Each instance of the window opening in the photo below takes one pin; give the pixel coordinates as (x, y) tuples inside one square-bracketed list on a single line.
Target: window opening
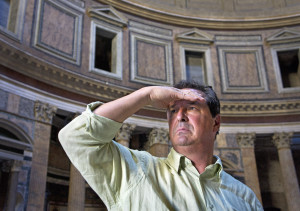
[(4, 12), (195, 66), (289, 68), (105, 42)]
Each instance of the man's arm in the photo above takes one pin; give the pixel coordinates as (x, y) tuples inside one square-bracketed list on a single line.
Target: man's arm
[(157, 96), (108, 167)]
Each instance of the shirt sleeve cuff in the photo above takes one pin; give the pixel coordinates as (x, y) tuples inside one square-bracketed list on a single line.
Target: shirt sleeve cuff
[(100, 127)]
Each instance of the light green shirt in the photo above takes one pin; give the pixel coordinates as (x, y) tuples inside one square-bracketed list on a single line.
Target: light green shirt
[(128, 179)]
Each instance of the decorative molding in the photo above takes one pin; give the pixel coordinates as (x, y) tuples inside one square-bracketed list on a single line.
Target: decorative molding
[(203, 21), (282, 140), (260, 108), (195, 36), (6, 165), (42, 70), (55, 40), (158, 136), (16, 30), (207, 60), (238, 39), (284, 36), (44, 112), (165, 45), (17, 166), (150, 30), (116, 49), (124, 133), (256, 53), (274, 50), (245, 140), (108, 14)]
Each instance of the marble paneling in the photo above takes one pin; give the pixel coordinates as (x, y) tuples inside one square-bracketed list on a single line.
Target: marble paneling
[(58, 30)]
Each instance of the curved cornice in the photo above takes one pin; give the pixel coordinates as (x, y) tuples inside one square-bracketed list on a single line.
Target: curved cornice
[(41, 70), (203, 22), (51, 74), (265, 108)]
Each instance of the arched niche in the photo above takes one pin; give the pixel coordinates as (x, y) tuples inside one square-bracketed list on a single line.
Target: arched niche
[(13, 141)]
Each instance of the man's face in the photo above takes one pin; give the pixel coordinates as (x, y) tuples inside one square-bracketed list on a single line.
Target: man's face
[(191, 123)]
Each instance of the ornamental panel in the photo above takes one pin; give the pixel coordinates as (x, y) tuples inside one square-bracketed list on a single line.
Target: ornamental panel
[(151, 59), (242, 69), (58, 30)]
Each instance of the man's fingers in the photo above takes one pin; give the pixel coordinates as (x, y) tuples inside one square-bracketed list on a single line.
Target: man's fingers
[(189, 94)]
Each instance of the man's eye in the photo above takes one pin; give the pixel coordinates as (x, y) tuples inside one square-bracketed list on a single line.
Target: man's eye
[(192, 108)]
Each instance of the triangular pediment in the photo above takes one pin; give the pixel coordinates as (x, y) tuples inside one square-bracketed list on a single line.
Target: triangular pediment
[(284, 36), (195, 36), (108, 14)]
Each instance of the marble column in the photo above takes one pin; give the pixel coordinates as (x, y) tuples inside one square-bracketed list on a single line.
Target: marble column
[(289, 176), (158, 142), (124, 134), (16, 166), (38, 174), (76, 198), (246, 143)]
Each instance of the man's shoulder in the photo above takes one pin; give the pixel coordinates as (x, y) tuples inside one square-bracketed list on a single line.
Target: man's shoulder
[(237, 188), (232, 183)]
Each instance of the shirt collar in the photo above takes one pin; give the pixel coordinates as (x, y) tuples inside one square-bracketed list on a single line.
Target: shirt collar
[(174, 159), (177, 162)]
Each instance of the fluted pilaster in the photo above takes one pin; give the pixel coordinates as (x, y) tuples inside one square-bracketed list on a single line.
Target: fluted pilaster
[(282, 141), (246, 142), (42, 132)]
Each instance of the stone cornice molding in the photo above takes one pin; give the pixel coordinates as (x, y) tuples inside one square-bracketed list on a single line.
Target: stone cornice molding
[(195, 36), (246, 140), (284, 36), (41, 70), (202, 22), (65, 79), (108, 14), (158, 136), (260, 108), (125, 132), (282, 140)]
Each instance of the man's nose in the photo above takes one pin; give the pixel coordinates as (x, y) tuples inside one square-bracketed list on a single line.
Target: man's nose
[(181, 115)]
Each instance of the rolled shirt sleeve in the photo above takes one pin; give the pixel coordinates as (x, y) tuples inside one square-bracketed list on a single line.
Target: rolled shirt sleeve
[(87, 140)]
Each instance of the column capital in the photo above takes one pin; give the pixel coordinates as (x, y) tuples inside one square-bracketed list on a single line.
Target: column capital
[(44, 112), (17, 165), (246, 140), (282, 140), (158, 136), (6, 166), (125, 132)]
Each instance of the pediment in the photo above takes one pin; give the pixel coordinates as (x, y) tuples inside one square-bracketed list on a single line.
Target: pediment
[(195, 36), (108, 14), (284, 36)]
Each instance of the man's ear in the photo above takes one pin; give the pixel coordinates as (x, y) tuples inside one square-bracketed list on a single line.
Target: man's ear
[(217, 123)]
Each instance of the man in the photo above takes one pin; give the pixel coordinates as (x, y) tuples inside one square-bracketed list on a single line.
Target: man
[(190, 178)]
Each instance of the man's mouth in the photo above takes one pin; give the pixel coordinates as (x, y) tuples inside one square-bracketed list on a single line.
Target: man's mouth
[(182, 130)]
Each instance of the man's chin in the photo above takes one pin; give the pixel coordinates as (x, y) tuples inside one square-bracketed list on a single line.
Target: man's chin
[(182, 141)]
